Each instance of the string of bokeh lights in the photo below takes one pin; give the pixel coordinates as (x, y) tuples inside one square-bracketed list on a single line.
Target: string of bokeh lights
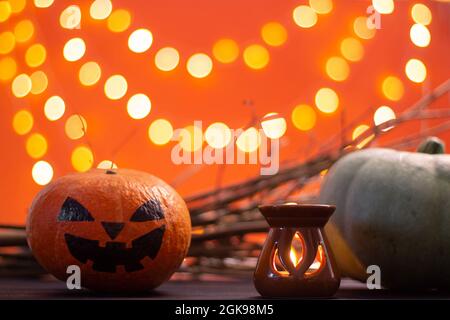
[(199, 65)]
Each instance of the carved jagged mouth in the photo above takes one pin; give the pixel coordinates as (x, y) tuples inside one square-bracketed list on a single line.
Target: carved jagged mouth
[(106, 259)]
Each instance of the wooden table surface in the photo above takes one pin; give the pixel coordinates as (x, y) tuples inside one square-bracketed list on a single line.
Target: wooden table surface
[(49, 288)]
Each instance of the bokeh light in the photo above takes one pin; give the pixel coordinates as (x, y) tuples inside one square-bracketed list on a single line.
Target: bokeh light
[(74, 49), (82, 158), (337, 68), (5, 10), (249, 140), (415, 70), (392, 88), (139, 106), (42, 172), (304, 117), (359, 130), (199, 65), (420, 35), (304, 16), (274, 34), (106, 164), (321, 6), (383, 114), (75, 127), (35, 55), (23, 122), (7, 42), (21, 85), (8, 68), (43, 3), (39, 82), (383, 6), (17, 5), (23, 31), (226, 50), (191, 138), (116, 87), (119, 20), (327, 100), (90, 73), (361, 28), (218, 135), (352, 49), (256, 56), (54, 108), (140, 40), (273, 125), (160, 131), (421, 14), (100, 9), (36, 145), (167, 59), (70, 17)]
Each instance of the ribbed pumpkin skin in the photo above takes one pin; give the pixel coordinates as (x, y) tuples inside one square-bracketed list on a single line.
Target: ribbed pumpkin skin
[(393, 210), (109, 198)]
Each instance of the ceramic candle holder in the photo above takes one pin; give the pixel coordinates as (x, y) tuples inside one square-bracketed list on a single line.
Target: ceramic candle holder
[(296, 260)]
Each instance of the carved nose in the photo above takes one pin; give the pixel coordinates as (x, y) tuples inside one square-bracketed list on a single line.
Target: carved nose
[(113, 228)]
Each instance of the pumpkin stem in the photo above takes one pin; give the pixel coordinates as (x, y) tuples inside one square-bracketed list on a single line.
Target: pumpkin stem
[(110, 172), (432, 145)]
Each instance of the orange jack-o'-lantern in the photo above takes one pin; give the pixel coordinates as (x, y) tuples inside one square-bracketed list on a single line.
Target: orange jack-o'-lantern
[(126, 230)]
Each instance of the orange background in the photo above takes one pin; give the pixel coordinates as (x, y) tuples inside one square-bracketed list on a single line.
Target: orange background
[(295, 72)]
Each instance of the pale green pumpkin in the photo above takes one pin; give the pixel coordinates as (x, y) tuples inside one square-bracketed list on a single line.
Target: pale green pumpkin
[(393, 210)]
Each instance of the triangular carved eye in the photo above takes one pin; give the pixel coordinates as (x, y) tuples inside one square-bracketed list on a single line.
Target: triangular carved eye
[(72, 210), (151, 210)]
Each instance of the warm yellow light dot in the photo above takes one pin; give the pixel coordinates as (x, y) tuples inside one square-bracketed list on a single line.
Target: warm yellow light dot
[(116, 87), (273, 125), (23, 122), (74, 49), (383, 6), (199, 65), (70, 17), (23, 31), (54, 108), (39, 82), (362, 29), (304, 16), (392, 88), (415, 70), (383, 114), (359, 130), (274, 34), (21, 85), (106, 164), (140, 40), (304, 117), (218, 135), (352, 49), (35, 55), (421, 14), (17, 5), (36, 145), (119, 20), (5, 10), (8, 68), (43, 3), (420, 35), (7, 42), (321, 6), (160, 131), (167, 59), (226, 50), (256, 56), (337, 68), (191, 138), (139, 106), (42, 172), (75, 127), (249, 140), (327, 100), (89, 73), (100, 9), (82, 159)]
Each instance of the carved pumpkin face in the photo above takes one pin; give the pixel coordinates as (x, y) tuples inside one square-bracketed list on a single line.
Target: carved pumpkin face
[(126, 230)]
